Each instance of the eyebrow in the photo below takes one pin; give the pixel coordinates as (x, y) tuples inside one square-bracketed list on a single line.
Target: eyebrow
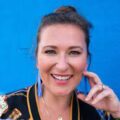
[(72, 47), (50, 46), (76, 47)]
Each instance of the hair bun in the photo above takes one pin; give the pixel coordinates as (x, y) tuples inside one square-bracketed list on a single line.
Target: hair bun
[(66, 9)]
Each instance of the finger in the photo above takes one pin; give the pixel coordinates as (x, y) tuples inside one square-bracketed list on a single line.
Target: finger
[(101, 96), (92, 77), (97, 88), (81, 96)]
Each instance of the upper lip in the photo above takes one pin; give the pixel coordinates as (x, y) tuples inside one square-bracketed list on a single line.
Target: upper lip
[(63, 74)]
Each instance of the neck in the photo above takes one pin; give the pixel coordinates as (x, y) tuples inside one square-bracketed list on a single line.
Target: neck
[(55, 107), (54, 102)]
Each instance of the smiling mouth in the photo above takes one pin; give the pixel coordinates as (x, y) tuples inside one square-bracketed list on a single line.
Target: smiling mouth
[(61, 77)]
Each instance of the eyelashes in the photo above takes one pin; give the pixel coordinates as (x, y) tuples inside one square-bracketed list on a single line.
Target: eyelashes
[(50, 52), (75, 53), (71, 53)]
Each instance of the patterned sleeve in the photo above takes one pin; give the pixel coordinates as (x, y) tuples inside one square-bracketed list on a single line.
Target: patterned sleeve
[(3, 105), (106, 115)]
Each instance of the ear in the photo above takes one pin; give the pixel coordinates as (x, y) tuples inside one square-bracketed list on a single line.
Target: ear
[(86, 67), (37, 66)]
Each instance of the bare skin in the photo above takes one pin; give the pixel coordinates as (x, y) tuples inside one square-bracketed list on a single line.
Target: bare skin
[(52, 107)]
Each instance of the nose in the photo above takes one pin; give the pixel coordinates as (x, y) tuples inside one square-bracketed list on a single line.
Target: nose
[(62, 64)]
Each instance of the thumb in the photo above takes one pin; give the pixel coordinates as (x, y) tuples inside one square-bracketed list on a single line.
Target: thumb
[(81, 96)]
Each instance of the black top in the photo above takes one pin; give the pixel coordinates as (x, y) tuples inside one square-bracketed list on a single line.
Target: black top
[(23, 104)]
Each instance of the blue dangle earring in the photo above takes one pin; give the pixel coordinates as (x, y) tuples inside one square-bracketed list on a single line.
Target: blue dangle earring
[(84, 89), (39, 86), (83, 86)]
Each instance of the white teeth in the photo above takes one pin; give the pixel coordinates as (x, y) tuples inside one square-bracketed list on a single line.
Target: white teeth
[(61, 77)]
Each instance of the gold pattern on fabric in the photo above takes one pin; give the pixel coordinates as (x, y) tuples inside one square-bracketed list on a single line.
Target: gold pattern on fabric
[(28, 104)]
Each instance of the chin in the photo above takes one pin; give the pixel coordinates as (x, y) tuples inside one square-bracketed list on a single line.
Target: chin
[(63, 93)]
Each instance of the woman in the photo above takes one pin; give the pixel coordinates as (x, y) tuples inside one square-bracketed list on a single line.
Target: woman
[(62, 53)]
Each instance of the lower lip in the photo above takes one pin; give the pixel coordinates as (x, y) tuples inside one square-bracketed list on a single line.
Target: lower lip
[(61, 82)]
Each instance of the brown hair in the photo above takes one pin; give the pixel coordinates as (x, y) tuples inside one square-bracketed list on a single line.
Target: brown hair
[(66, 15)]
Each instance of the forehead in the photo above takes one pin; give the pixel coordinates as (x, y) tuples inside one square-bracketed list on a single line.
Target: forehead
[(62, 34)]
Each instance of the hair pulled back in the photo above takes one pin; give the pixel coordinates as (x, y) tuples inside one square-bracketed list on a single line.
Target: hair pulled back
[(66, 15)]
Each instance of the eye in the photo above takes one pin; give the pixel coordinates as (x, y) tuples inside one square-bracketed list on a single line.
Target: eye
[(50, 52), (75, 53)]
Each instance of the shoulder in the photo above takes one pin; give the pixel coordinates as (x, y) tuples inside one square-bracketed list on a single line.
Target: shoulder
[(16, 96), (13, 103)]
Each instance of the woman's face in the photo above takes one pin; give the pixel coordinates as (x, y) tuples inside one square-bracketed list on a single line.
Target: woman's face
[(61, 57)]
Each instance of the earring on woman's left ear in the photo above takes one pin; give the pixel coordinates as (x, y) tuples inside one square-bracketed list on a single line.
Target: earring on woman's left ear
[(39, 86), (83, 85)]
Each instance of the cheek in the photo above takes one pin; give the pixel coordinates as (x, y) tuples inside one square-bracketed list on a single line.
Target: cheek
[(80, 65), (43, 68), (44, 64)]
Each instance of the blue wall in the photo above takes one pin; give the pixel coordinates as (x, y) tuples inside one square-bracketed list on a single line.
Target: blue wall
[(19, 20)]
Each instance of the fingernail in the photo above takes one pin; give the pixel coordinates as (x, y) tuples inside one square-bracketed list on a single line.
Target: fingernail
[(86, 99), (79, 92), (93, 102)]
